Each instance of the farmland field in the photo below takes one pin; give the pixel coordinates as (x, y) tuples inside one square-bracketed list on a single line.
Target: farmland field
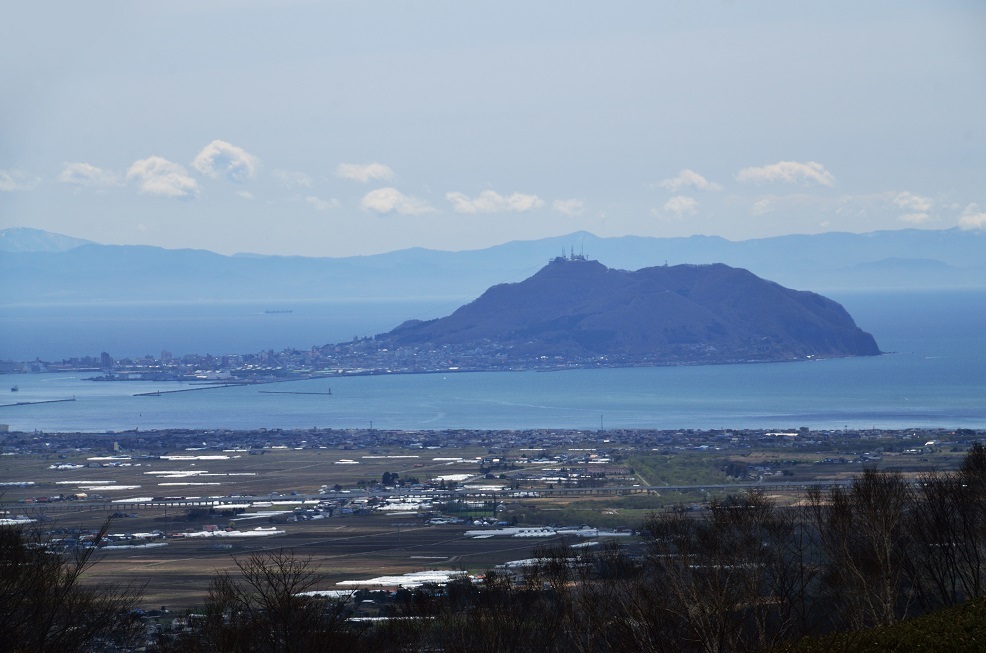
[(184, 507)]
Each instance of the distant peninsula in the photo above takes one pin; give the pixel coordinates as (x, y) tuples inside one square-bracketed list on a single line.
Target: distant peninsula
[(573, 313), (577, 312)]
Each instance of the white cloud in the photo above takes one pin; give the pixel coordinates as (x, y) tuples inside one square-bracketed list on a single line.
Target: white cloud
[(687, 178), (680, 206), (89, 176), (762, 206), (158, 176), (293, 179), (490, 201), (364, 172), (245, 194), (973, 218), (11, 180), (570, 207), (221, 158), (917, 207), (7, 182), (391, 200), (914, 202), (320, 204), (793, 172)]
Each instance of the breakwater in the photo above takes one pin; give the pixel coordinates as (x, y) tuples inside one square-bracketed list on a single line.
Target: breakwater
[(158, 393), (35, 403)]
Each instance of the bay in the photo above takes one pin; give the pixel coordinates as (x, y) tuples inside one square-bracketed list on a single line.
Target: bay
[(127, 330), (935, 376)]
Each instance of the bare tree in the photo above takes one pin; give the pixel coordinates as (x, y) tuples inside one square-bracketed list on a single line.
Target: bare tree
[(949, 527), (583, 588), (264, 607), (551, 604), (736, 577), (864, 535), (46, 605)]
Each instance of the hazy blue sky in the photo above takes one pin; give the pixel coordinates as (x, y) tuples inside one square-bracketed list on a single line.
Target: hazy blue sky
[(351, 127)]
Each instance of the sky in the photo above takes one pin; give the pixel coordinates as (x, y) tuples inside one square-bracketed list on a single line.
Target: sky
[(351, 127)]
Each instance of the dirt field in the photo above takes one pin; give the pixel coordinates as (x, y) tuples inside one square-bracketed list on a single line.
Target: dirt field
[(348, 547), (352, 546)]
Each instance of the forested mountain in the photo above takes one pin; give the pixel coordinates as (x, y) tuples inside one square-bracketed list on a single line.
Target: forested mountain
[(575, 308)]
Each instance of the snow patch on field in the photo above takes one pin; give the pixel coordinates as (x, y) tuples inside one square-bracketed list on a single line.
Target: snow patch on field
[(413, 579), (259, 531)]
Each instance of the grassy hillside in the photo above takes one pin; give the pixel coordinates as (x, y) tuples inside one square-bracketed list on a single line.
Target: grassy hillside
[(961, 629)]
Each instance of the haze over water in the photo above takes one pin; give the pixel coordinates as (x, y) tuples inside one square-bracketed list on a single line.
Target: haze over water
[(344, 129), (936, 377)]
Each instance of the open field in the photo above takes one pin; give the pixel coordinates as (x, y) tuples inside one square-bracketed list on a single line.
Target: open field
[(354, 548), (152, 483)]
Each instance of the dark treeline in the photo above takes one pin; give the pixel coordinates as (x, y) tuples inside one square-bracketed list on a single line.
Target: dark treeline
[(742, 575), (46, 606)]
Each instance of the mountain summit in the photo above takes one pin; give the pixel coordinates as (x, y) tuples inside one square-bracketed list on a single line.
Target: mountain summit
[(575, 309)]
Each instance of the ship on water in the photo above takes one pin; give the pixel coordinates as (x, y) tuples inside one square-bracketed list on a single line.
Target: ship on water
[(271, 311)]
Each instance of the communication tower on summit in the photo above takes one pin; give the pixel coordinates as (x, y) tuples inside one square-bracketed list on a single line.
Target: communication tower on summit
[(571, 257)]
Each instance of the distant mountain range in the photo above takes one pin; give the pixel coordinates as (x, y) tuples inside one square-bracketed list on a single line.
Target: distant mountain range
[(40, 267), (23, 239), (577, 310)]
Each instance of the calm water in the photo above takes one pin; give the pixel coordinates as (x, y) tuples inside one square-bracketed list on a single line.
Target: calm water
[(936, 377), (127, 330)]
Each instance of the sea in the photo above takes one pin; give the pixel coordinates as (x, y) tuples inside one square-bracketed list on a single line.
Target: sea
[(933, 375)]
